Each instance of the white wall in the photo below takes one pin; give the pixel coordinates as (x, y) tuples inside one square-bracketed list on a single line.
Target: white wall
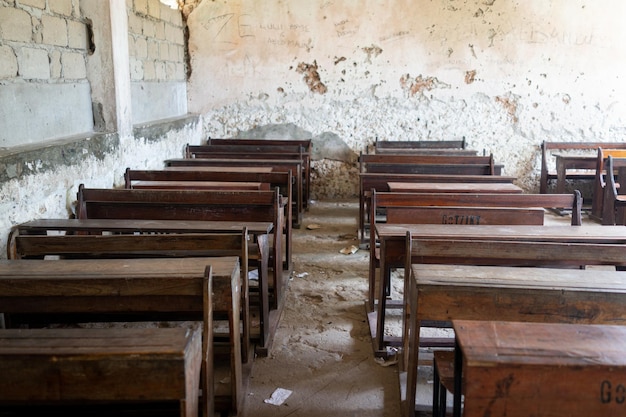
[(504, 74)]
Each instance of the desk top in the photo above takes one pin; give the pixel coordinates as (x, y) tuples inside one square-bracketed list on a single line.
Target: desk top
[(573, 234), (453, 187), (125, 225), (552, 344), (503, 277), (114, 269)]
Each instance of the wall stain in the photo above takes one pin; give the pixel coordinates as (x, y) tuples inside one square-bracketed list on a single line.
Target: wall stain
[(372, 51), (419, 84), (510, 105), (312, 77), (470, 76)]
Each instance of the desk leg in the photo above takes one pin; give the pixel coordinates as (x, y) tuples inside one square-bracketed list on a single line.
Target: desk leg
[(458, 380), (560, 178), (264, 298), (411, 351), (382, 299)]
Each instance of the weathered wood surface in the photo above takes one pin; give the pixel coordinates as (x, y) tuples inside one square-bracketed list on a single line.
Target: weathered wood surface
[(542, 369)]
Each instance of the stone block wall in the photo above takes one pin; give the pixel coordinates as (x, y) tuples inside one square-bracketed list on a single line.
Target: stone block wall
[(156, 46), (156, 42), (43, 51)]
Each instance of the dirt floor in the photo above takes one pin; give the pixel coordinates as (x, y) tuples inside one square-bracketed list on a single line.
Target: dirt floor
[(322, 352)]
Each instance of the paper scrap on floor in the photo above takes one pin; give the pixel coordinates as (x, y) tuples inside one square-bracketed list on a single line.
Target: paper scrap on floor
[(278, 396)]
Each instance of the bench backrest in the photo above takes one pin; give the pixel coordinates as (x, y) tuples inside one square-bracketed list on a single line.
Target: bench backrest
[(419, 144), (190, 150), (429, 164), (282, 180), (305, 143), (379, 181), (572, 201)]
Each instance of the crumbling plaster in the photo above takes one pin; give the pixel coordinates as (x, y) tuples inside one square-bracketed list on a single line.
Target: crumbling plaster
[(43, 182), (505, 75)]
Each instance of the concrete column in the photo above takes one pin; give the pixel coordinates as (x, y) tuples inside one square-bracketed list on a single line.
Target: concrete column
[(108, 65)]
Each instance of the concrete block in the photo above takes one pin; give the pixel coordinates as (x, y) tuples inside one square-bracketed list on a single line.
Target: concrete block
[(33, 64), (135, 24), (153, 49), (136, 69), (77, 35), (149, 28), (74, 67), (173, 16), (180, 72), (40, 4), (141, 6), (173, 49), (141, 48), (164, 51), (170, 70), (161, 75), (63, 7), (54, 30), (15, 25), (154, 9), (159, 30), (8, 62), (174, 34), (55, 64), (149, 71)]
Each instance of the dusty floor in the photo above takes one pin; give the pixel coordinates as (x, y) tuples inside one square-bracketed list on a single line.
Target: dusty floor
[(322, 350)]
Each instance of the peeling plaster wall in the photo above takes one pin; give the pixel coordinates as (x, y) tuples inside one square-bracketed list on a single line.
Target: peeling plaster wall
[(43, 182), (505, 75)]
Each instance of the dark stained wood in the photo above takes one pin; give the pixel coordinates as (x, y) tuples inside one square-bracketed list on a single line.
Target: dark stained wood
[(614, 205), (448, 292), (95, 365), (454, 187), (541, 369), (586, 162), (450, 209), (149, 289), (419, 144), (378, 181)]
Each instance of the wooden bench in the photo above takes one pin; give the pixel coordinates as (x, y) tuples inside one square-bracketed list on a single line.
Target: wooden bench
[(429, 164), (460, 290), (69, 366), (445, 208), (555, 369), (283, 180), (40, 292), (579, 166), (240, 151), (121, 246), (294, 166), (379, 181), (258, 252)]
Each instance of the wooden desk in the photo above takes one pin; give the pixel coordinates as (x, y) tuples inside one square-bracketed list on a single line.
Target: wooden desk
[(201, 185), (393, 250), (450, 292), (565, 162), (541, 369), (260, 231), (453, 187), (158, 289)]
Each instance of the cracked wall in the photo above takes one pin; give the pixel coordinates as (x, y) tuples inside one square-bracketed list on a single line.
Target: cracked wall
[(505, 75)]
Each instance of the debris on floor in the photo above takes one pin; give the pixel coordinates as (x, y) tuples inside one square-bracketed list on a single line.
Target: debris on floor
[(278, 397)]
